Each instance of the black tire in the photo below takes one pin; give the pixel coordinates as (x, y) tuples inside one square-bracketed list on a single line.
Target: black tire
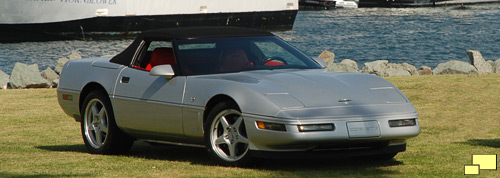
[(98, 126), (227, 144)]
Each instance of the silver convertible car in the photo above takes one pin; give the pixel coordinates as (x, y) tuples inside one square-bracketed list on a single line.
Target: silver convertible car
[(240, 93)]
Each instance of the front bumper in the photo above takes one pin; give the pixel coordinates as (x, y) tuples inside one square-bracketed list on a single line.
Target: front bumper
[(294, 140)]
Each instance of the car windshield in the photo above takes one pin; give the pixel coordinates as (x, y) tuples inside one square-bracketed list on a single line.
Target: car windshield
[(235, 54)]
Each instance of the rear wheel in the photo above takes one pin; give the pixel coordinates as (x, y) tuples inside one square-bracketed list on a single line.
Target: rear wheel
[(99, 130), (225, 136)]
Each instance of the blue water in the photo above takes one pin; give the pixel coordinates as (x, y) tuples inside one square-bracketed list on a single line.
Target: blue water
[(419, 36)]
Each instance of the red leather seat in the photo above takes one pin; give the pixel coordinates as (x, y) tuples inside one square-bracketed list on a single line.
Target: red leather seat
[(274, 63), (161, 56), (233, 60)]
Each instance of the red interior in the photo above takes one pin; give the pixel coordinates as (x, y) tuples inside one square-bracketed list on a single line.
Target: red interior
[(161, 56)]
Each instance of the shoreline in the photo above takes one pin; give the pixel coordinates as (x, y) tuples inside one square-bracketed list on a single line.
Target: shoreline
[(387, 78), (477, 65), (29, 76)]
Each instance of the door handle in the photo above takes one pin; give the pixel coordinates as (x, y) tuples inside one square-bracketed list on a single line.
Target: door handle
[(125, 79)]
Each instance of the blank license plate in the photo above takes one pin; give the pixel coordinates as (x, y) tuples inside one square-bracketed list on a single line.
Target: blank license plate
[(363, 129)]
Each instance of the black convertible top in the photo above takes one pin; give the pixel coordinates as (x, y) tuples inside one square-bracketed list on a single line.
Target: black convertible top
[(202, 32), (182, 33)]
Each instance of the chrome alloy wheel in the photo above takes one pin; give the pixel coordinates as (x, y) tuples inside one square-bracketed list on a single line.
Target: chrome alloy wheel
[(228, 136), (96, 123)]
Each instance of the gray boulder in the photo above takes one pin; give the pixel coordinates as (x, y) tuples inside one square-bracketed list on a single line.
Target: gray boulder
[(375, 67), (4, 80), (327, 56), (454, 67), (74, 55), (50, 76), (347, 65), (60, 64), (495, 66), (55, 82), (393, 69), (24, 76), (352, 65), (478, 61), (385, 69), (63, 60), (410, 68), (424, 70)]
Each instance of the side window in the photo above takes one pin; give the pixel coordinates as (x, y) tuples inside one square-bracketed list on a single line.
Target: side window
[(198, 58), (159, 44), (155, 53)]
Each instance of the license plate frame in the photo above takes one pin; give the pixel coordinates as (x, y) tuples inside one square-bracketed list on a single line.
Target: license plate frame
[(363, 129)]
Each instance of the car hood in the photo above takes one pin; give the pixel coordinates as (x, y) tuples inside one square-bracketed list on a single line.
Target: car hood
[(298, 93), (318, 88)]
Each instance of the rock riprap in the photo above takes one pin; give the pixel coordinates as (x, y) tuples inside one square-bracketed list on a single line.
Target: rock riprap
[(27, 76), (455, 67), (4, 80), (479, 63), (50, 75)]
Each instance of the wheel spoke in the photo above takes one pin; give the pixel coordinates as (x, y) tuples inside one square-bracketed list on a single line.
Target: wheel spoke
[(221, 140), (98, 138), (238, 122), (232, 150), (94, 110), (103, 128), (241, 139), (224, 122), (90, 127), (102, 113)]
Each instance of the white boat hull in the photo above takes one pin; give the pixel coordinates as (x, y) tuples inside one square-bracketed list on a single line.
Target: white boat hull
[(70, 19)]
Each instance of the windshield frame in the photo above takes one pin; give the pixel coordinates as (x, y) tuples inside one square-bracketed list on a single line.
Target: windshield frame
[(247, 44)]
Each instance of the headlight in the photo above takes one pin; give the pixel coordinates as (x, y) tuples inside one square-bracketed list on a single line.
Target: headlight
[(402, 122), (271, 126), (315, 127)]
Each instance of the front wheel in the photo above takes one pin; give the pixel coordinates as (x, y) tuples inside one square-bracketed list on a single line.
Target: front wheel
[(225, 136), (99, 130)]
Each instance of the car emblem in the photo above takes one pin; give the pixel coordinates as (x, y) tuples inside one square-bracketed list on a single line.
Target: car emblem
[(345, 101)]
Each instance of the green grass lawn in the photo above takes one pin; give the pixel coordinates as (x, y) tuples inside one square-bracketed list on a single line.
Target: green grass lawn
[(459, 116)]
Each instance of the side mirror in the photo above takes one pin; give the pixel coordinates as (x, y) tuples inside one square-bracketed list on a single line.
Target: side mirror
[(162, 70), (320, 61)]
